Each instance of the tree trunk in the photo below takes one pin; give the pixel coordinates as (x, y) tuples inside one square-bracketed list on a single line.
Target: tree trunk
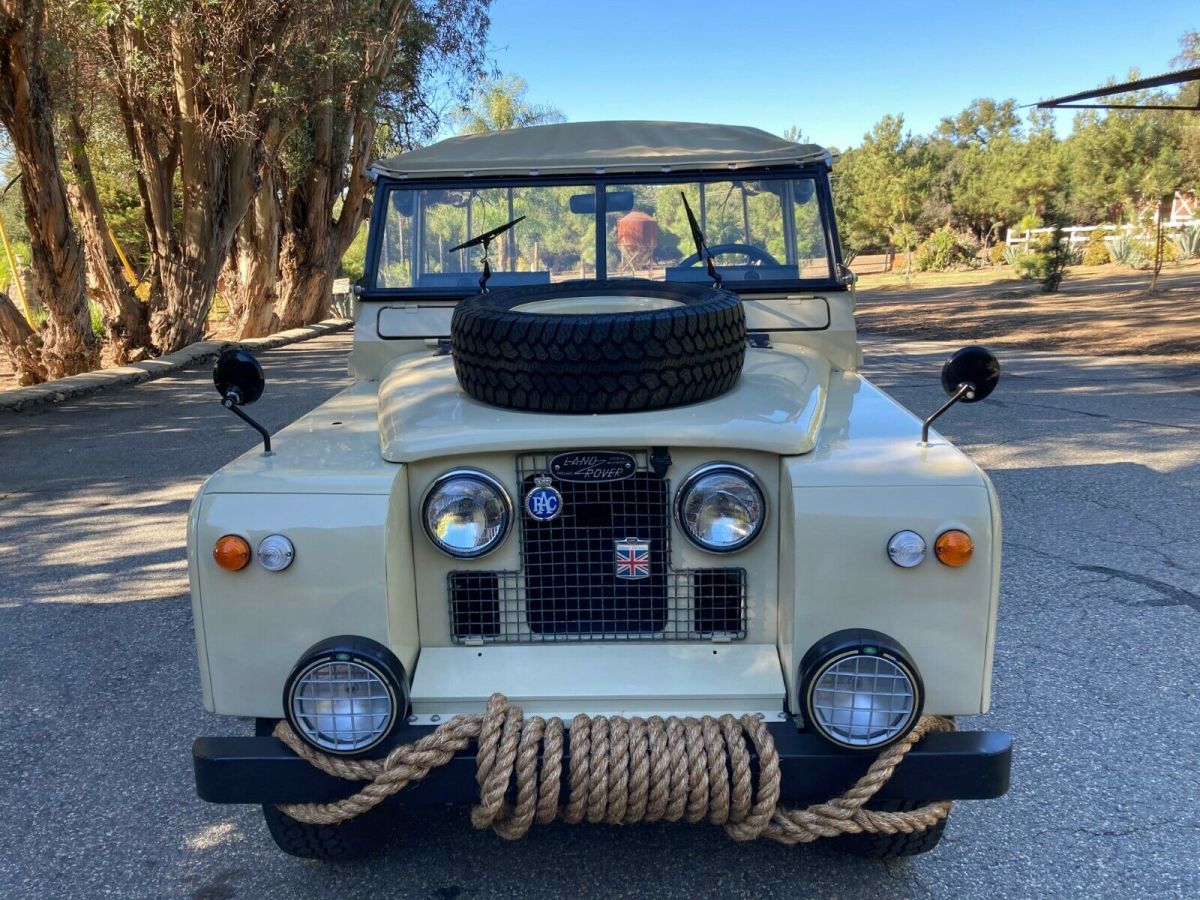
[(257, 256), (68, 345), (21, 344), (181, 304), (210, 137), (125, 317), (305, 276), (307, 240)]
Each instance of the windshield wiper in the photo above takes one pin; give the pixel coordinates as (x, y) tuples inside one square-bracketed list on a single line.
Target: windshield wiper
[(702, 250), (486, 239)]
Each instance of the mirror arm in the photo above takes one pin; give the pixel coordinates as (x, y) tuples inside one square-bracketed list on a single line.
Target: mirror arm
[(230, 402), (966, 389)]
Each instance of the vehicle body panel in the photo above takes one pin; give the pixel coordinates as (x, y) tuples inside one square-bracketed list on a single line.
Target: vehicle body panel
[(775, 407)]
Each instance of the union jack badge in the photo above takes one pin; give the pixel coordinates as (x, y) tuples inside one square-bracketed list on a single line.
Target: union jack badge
[(633, 559), (544, 502)]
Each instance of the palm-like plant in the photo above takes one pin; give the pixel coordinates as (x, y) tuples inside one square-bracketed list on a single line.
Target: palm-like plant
[(499, 104)]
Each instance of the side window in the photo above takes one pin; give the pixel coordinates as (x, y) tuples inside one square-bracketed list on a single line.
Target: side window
[(812, 248)]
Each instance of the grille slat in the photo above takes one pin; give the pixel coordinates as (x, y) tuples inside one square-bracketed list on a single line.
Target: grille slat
[(568, 589)]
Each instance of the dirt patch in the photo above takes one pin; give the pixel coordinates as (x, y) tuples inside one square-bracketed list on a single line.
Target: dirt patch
[(1098, 311)]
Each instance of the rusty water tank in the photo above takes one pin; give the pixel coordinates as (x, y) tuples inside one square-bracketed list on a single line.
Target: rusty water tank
[(637, 232)]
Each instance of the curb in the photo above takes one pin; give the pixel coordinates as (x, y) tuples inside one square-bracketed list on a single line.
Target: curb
[(57, 391)]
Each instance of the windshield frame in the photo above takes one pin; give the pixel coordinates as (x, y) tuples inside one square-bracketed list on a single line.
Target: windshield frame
[(601, 182)]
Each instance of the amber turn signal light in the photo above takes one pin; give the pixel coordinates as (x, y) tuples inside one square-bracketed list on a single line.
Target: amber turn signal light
[(231, 552), (953, 548)]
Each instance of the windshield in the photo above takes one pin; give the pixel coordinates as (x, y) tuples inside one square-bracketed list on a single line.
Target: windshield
[(769, 230)]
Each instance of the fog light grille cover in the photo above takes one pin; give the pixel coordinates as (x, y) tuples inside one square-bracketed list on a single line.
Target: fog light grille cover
[(342, 706), (863, 700)]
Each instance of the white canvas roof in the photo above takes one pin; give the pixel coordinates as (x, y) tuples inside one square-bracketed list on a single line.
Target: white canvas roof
[(585, 147)]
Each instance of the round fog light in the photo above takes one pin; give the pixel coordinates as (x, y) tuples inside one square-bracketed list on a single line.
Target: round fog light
[(860, 693), (344, 701), (906, 549), (276, 553)]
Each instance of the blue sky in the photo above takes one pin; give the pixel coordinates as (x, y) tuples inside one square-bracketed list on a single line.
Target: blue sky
[(831, 68)]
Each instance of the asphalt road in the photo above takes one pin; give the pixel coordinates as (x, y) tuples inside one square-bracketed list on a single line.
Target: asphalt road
[(1098, 467)]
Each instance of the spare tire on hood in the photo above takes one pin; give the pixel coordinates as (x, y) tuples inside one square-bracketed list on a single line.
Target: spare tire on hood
[(598, 346)]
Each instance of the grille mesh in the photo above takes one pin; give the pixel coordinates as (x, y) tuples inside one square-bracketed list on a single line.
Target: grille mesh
[(567, 588)]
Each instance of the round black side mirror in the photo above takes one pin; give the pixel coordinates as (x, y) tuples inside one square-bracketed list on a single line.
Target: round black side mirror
[(975, 366), (238, 377)]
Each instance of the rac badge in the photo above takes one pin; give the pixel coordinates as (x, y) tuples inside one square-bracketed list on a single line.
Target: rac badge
[(633, 559), (593, 465), (543, 503)]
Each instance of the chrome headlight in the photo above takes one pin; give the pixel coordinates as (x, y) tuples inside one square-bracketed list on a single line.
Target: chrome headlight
[(859, 690), (467, 513), (345, 695), (720, 507)]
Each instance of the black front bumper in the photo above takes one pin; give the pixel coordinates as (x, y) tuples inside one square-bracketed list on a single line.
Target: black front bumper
[(958, 765)]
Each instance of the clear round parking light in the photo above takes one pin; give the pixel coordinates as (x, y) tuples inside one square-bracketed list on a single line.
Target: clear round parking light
[(275, 552), (467, 513), (906, 549), (342, 704), (721, 507)]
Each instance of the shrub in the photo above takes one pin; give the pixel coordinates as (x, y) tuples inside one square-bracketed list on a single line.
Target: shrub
[(1012, 255), (1095, 250), (1126, 251), (1030, 266), (1187, 243), (997, 253), (96, 315), (1046, 261), (943, 250), (1170, 252)]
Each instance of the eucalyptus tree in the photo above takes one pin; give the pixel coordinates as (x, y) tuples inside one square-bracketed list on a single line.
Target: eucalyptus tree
[(65, 345), (206, 93), (374, 75)]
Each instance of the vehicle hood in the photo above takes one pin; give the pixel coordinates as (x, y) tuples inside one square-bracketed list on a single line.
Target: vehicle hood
[(776, 407)]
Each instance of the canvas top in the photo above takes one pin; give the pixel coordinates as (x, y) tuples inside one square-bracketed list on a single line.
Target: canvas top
[(599, 147)]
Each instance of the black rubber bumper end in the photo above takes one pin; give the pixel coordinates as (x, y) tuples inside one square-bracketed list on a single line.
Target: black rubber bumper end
[(958, 765)]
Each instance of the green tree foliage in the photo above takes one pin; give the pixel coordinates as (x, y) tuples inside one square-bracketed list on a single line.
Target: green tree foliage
[(499, 104), (986, 169), (883, 184)]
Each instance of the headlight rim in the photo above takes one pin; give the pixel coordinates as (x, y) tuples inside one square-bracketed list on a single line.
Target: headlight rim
[(689, 482), (488, 479), (360, 651)]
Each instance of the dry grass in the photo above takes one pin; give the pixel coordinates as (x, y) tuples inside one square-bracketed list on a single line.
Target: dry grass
[(1100, 310)]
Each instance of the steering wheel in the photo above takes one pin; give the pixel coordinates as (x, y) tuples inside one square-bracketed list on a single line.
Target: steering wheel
[(753, 254)]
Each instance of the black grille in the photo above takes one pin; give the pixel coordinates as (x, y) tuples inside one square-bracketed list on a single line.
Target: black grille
[(568, 588), (569, 563)]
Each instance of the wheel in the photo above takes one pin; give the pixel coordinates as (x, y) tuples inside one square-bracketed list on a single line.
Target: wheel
[(598, 347), (892, 846), (753, 254), (352, 839)]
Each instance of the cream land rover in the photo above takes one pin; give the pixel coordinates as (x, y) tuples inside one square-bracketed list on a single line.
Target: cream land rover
[(608, 459)]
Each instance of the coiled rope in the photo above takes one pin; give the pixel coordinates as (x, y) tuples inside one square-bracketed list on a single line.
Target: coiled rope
[(621, 771)]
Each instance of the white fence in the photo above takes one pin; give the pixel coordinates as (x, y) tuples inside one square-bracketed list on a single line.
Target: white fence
[(1078, 234)]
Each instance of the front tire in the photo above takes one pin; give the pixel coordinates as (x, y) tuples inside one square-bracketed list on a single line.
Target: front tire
[(892, 846), (353, 839)]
